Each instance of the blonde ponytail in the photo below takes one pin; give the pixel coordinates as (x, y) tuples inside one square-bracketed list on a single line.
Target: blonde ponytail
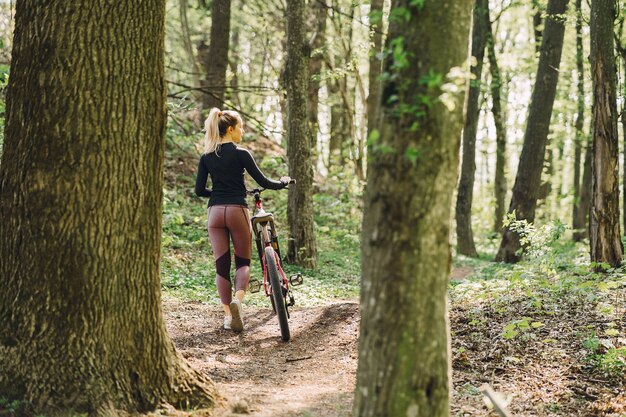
[(215, 127), (212, 133)]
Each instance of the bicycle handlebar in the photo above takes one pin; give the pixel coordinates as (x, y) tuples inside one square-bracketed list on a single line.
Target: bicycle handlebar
[(259, 190)]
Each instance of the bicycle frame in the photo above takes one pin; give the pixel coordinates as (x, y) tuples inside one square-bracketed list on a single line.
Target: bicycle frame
[(264, 230)]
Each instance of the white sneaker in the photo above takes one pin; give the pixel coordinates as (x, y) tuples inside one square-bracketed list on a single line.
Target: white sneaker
[(227, 322), (236, 311)]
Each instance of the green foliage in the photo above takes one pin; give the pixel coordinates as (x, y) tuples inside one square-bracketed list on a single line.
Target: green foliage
[(537, 243)]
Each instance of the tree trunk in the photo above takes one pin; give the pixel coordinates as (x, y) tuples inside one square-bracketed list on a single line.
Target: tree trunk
[(216, 61), (464, 233), (375, 65), (403, 344), (302, 247), (604, 218), (585, 197), (81, 324), (537, 21), (579, 223), (527, 181), (342, 103), (623, 119), (186, 38), (498, 119), (317, 26)]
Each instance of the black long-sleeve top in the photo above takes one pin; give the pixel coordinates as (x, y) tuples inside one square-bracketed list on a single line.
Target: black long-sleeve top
[(226, 167)]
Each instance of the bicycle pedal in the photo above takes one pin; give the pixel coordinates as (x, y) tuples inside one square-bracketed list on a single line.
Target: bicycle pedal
[(254, 286), (296, 279), (292, 300)]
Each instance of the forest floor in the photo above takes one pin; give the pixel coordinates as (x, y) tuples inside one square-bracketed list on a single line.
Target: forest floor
[(313, 375)]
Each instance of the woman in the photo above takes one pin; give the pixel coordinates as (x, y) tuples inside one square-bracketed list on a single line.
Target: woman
[(228, 216)]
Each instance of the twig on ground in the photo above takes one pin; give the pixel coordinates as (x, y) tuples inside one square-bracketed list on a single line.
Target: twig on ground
[(298, 359), (498, 405)]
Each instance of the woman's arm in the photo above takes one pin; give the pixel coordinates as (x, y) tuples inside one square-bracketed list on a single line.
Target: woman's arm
[(201, 179), (253, 169)]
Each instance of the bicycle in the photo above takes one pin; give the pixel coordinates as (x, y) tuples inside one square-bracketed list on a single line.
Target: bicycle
[(274, 276)]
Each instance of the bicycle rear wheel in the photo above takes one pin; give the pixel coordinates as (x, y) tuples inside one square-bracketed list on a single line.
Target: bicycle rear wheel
[(277, 292)]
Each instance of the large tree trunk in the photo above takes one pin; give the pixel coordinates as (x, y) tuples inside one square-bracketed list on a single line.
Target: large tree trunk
[(403, 344), (579, 223), (527, 181), (216, 60), (302, 247), (604, 218), (498, 119), (81, 325), (463, 213)]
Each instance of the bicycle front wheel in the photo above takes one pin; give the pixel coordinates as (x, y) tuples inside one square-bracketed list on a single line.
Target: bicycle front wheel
[(277, 292)]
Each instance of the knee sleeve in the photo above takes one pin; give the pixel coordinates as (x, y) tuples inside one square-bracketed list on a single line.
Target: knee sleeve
[(222, 265), (239, 262)]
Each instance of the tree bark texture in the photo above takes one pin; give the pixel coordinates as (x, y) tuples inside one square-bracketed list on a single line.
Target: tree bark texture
[(498, 119), (81, 324), (302, 247), (604, 217), (412, 171), (463, 212), (216, 61), (579, 218), (528, 179)]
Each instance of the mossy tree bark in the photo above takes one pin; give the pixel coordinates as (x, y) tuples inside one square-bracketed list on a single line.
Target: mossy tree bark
[(412, 171), (81, 324), (463, 212), (528, 179), (302, 248), (604, 217)]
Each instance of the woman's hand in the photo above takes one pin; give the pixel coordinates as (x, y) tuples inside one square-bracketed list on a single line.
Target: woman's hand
[(285, 179)]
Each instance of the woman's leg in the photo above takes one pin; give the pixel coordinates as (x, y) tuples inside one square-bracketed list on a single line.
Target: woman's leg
[(220, 241), (238, 222)]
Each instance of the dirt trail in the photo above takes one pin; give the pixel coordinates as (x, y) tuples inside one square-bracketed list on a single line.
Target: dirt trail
[(258, 374)]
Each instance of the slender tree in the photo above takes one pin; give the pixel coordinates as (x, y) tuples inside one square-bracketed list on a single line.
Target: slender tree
[(579, 217), (302, 249), (537, 24), (318, 12), (604, 218), (215, 61), (183, 5), (81, 178), (463, 213), (527, 181), (412, 167), (498, 119), (375, 64)]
